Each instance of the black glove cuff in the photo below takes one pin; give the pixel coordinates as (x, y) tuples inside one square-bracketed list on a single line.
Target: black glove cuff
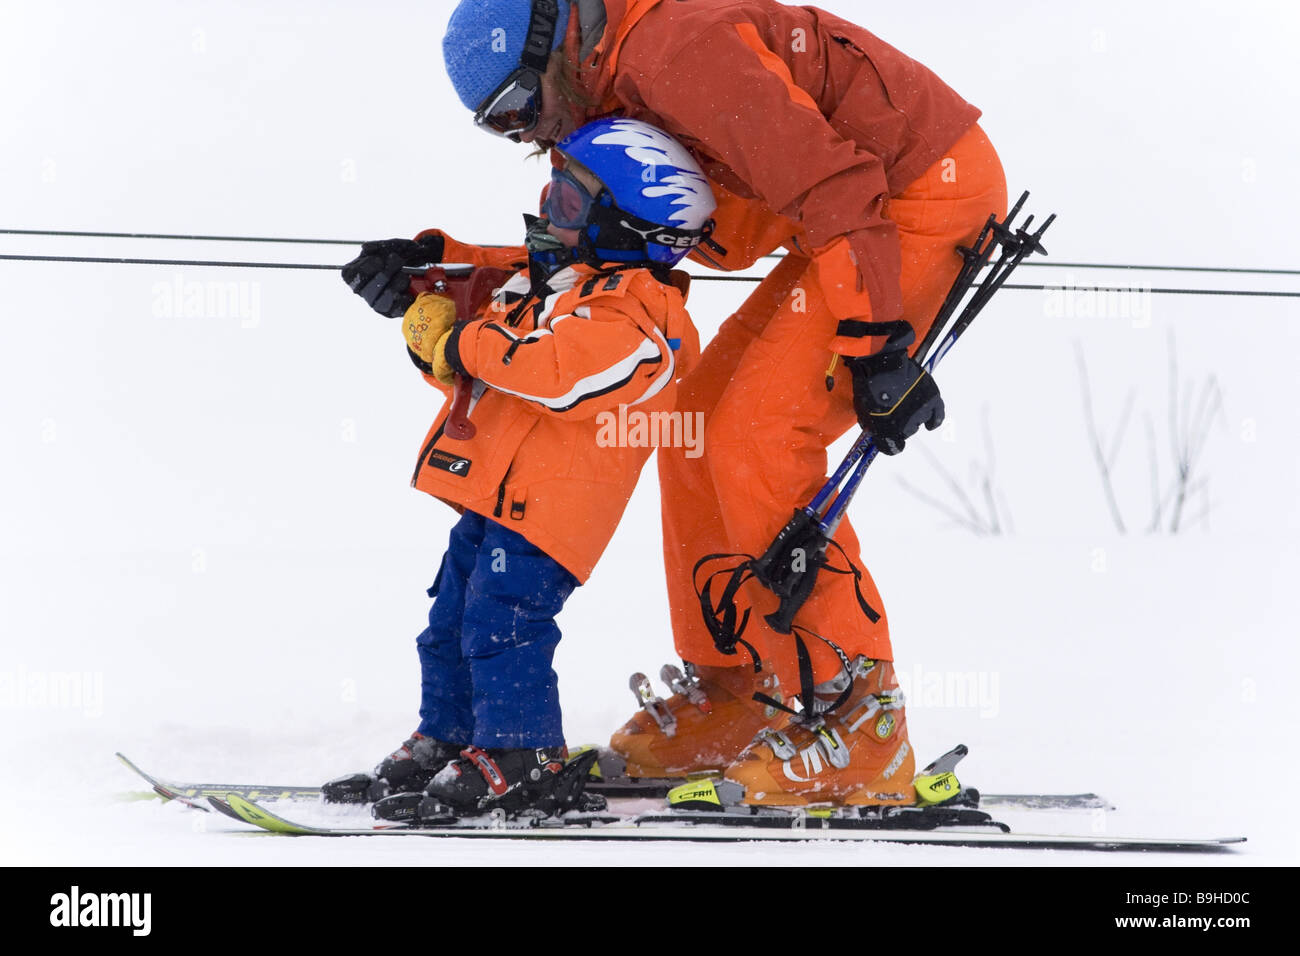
[(419, 363), (451, 351), (899, 334)]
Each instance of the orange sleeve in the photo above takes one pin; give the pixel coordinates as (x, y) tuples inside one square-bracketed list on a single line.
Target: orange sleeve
[(512, 258), (607, 349), (801, 167)]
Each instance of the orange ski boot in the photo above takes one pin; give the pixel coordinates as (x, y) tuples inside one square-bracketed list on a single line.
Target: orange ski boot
[(702, 727), (856, 755)]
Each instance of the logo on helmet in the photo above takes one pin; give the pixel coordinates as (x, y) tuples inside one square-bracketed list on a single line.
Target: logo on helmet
[(675, 240)]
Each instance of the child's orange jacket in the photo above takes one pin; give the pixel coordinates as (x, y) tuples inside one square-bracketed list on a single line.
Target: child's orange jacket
[(551, 457)]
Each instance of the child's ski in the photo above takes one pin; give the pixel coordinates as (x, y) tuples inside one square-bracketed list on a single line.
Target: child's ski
[(192, 794)]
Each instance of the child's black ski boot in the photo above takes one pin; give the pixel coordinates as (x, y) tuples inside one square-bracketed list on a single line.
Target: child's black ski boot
[(526, 781), (408, 769)]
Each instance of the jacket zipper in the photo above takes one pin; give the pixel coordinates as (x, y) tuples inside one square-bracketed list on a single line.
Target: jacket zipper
[(424, 452)]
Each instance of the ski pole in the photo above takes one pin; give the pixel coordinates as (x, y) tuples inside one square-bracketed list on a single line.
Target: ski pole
[(812, 528), (790, 565), (975, 258), (1023, 244)]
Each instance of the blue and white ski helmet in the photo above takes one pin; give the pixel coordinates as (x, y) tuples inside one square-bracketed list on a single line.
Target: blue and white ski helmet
[(657, 202)]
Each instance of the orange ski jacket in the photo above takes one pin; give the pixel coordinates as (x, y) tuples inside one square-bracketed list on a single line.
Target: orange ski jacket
[(574, 388), (805, 123)]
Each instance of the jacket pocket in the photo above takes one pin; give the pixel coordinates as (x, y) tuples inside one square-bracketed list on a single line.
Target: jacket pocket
[(466, 471)]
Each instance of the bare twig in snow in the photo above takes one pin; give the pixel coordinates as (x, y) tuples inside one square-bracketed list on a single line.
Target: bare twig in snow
[(991, 496), (954, 486), (962, 510), (941, 507), (1191, 416), (1154, 458), (1103, 461)]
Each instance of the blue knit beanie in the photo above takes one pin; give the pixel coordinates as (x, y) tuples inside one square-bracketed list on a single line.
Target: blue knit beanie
[(484, 41)]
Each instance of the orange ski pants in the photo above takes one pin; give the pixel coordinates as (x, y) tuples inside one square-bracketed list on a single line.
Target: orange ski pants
[(761, 386)]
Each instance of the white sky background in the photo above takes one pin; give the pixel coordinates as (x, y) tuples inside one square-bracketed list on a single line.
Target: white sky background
[(173, 485), (1169, 125)]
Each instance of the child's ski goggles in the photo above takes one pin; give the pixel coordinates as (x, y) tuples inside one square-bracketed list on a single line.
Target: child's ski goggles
[(568, 204)]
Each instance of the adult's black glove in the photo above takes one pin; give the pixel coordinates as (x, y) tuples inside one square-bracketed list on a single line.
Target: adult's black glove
[(892, 394), (376, 275)]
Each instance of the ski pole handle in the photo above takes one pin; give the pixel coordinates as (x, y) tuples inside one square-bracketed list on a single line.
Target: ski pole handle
[(782, 619), (861, 456), (865, 445)]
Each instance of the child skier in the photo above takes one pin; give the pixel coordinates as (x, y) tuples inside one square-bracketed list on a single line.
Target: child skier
[(593, 322)]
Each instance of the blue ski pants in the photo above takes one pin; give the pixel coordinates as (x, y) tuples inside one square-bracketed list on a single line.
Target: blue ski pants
[(485, 658)]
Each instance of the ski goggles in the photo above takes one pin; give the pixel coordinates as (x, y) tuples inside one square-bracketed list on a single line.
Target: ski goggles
[(515, 106), (568, 204)]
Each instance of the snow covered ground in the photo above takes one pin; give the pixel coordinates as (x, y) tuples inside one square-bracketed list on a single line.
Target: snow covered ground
[(210, 558)]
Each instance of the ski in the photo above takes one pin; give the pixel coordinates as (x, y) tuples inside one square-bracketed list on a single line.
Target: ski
[(193, 794), (607, 783), (654, 787), (933, 826), (609, 778)]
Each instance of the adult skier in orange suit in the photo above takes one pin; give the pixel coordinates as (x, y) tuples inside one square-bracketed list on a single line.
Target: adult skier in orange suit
[(821, 140)]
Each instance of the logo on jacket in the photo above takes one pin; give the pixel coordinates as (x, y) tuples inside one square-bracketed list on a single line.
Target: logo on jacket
[(452, 463)]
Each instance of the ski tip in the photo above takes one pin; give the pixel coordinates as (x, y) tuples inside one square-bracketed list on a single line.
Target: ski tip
[(161, 787)]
